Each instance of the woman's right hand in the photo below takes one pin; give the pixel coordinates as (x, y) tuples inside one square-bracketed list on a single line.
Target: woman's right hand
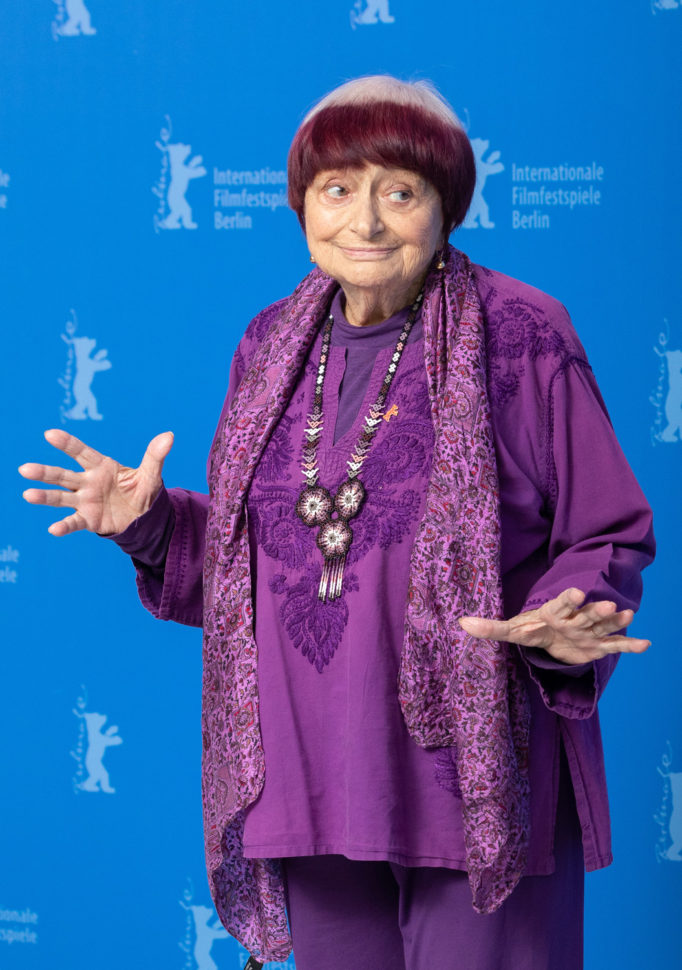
[(106, 496)]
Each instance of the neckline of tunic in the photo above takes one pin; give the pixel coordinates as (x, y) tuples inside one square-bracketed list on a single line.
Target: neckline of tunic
[(360, 349), (373, 337)]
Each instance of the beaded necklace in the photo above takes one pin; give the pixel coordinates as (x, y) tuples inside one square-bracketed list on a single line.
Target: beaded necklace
[(315, 505)]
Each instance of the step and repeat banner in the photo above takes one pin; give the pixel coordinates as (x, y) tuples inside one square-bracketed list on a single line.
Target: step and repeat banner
[(143, 222)]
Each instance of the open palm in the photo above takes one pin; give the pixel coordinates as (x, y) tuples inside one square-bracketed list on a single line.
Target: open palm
[(568, 630), (106, 496)]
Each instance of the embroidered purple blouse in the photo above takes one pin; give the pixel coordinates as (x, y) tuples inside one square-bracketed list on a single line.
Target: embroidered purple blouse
[(342, 773)]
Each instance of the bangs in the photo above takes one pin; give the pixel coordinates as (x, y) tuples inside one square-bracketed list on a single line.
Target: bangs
[(351, 135)]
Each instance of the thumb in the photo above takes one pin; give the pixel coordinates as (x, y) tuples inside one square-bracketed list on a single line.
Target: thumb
[(478, 626), (156, 454)]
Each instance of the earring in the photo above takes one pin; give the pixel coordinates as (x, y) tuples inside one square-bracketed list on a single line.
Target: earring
[(312, 259), (441, 262)]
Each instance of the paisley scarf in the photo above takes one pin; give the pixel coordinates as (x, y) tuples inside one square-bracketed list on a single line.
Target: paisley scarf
[(454, 690)]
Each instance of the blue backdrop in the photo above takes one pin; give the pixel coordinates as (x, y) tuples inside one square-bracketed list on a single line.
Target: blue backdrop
[(142, 224)]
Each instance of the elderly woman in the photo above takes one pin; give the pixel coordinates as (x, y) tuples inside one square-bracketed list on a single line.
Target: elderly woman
[(412, 448)]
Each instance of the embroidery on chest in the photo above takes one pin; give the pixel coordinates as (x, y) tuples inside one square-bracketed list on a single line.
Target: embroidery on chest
[(395, 473)]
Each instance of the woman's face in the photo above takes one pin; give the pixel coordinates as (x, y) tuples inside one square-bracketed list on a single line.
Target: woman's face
[(373, 228)]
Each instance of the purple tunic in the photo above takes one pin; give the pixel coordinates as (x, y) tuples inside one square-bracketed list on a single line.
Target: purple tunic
[(342, 775)]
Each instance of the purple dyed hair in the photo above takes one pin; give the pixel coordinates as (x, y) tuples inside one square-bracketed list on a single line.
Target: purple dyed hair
[(385, 121)]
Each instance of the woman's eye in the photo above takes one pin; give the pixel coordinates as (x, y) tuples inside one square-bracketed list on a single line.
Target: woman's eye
[(336, 191), (401, 195)]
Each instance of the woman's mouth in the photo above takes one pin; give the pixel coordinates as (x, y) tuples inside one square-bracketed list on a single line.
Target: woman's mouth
[(367, 252)]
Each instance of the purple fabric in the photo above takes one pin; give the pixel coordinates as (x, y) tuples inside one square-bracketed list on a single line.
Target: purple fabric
[(147, 539), (367, 914), (377, 795), (343, 775), (361, 345), (454, 689), (560, 527)]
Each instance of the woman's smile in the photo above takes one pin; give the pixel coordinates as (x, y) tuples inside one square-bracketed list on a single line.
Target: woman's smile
[(355, 252)]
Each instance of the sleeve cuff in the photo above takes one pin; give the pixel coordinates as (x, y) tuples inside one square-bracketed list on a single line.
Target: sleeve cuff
[(147, 538), (544, 661), (571, 691)]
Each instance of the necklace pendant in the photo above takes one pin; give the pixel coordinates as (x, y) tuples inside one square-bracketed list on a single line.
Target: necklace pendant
[(349, 497), (333, 541), (314, 505)]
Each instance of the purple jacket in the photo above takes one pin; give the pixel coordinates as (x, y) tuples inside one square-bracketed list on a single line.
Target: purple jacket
[(560, 528)]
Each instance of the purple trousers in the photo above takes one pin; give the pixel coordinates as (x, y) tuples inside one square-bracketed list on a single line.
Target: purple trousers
[(345, 914)]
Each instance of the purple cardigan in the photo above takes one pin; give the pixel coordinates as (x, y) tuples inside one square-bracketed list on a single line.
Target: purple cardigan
[(560, 527)]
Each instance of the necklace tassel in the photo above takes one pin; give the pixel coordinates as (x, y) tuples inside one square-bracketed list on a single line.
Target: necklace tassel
[(331, 581)]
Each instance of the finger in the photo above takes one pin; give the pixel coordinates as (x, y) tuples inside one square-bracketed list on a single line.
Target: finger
[(156, 453), (565, 604), (42, 496), (86, 456), (50, 474), (592, 613), (484, 629), (72, 523), (596, 649), (622, 644), (636, 644), (619, 621)]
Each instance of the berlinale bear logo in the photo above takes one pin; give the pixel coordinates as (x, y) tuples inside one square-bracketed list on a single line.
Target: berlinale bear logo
[(669, 816), (72, 19), (82, 364), (173, 211), (667, 398), (665, 5), (90, 749), (202, 929), (479, 214), (375, 11)]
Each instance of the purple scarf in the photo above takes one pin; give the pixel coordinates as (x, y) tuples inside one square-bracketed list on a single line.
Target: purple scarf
[(454, 690)]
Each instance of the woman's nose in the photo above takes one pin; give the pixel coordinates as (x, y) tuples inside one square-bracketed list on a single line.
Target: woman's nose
[(366, 218)]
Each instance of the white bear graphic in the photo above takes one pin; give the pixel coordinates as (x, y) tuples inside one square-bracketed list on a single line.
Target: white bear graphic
[(98, 777), (205, 935), (86, 368), (478, 210), (375, 11), (181, 173), (78, 19), (673, 402), (674, 852), (664, 5)]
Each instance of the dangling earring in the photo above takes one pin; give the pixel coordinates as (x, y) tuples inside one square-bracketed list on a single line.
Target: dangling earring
[(312, 259), (441, 261)]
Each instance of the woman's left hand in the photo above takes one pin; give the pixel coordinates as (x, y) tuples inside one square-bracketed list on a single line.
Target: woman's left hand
[(567, 630)]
